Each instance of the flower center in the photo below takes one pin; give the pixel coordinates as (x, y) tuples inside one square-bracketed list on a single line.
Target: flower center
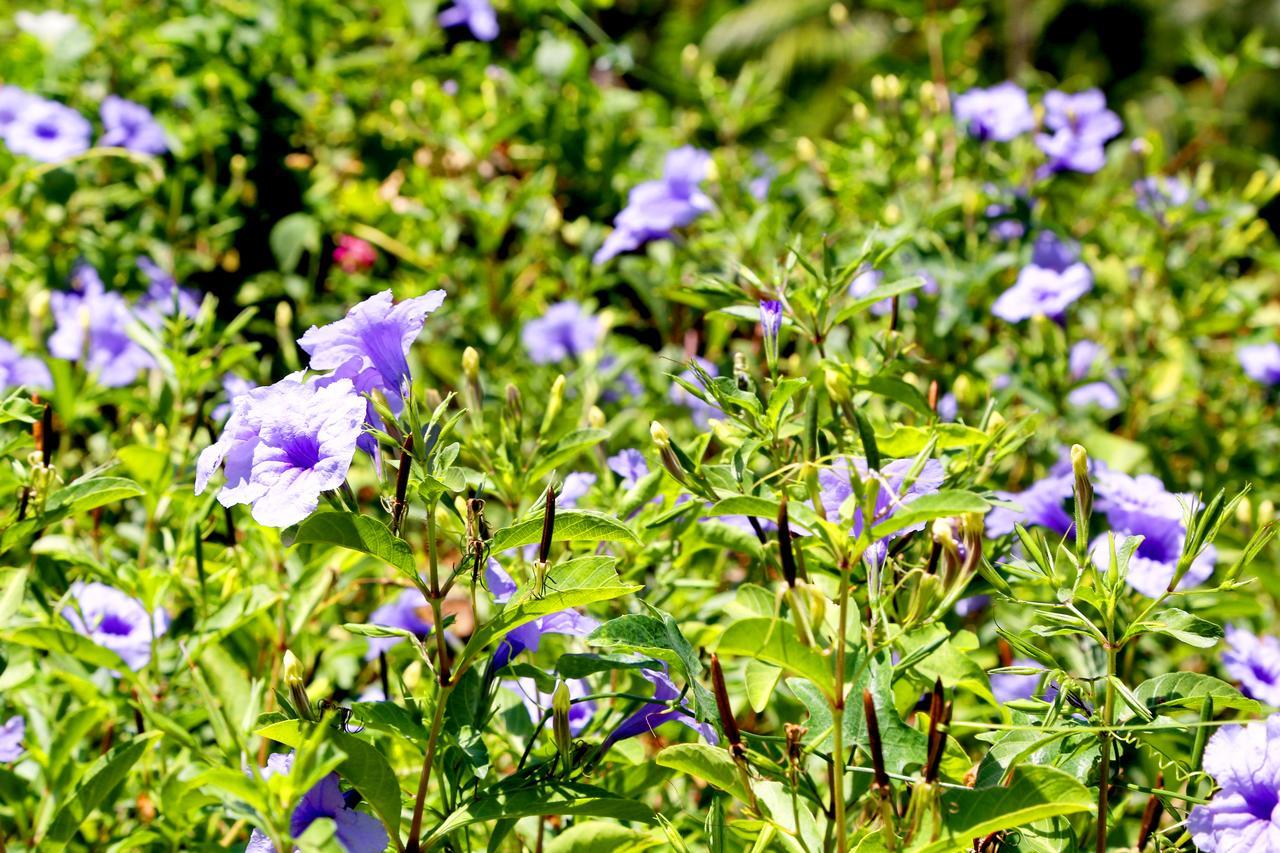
[(47, 131), (115, 624), (303, 450)]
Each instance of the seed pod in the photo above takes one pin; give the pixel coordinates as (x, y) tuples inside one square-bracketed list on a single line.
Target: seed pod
[(786, 554), (548, 525), (876, 745), (727, 721)]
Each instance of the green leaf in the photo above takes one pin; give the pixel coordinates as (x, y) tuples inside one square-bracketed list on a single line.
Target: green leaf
[(774, 641), (572, 525), (928, 507), (90, 494), (364, 767), (1183, 626), (1190, 690), (598, 836), (903, 441), (58, 641), (558, 798), (11, 599), (357, 533), (392, 718), (582, 665), (566, 449), (291, 236), (761, 679), (569, 584), (1034, 794), (711, 764), (99, 781)]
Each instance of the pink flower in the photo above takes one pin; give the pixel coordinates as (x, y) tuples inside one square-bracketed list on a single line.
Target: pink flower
[(354, 254)]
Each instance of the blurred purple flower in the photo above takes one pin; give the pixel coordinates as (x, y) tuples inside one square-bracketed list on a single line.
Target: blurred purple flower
[(537, 703), (45, 130), (478, 15), (700, 410), (13, 103), (164, 297), (1042, 506), (1099, 394), (1134, 504), (115, 621), (284, 445), (655, 208), (1261, 362), (1254, 661), (893, 492), (1158, 193), (11, 735), (407, 611), (1000, 113), (630, 465), (233, 387), (1081, 126), (1242, 815), (131, 126), (972, 605), (24, 370), (623, 386), (1012, 686), (92, 324), (1081, 358), (498, 582), (528, 637), (758, 186), (659, 711), (574, 488), (1053, 253), (564, 331), (1153, 564), (356, 831), (1040, 290), (948, 407)]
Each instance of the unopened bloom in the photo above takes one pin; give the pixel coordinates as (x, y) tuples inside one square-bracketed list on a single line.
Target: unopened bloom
[(92, 325), (284, 445), (537, 703), (1243, 814), (770, 318), (999, 113), (1153, 564), (1081, 126), (478, 15), (131, 126), (354, 254), (659, 710), (1253, 661), (1261, 362), (408, 611), (11, 735), (47, 131), (565, 330), (656, 208), (356, 831), (115, 621), (24, 370)]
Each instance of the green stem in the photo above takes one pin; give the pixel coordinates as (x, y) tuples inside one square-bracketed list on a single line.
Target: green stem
[(837, 714), (424, 781), (1104, 738)]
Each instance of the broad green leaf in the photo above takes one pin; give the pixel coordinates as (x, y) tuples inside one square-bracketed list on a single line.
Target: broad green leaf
[(99, 781), (357, 533), (65, 642), (291, 236), (566, 449), (558, 798), (1034, 794), (1183, 626), (572, 525), (928, 507), (1190, 690), (903, 441), (91, 494), (774, 641), (711, 764), (364, 767), (11, 598), (600, 836), (569, 584), (392, 718), (582, 665), (761, 679)]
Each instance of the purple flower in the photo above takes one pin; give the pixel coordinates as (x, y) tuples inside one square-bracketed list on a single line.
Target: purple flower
[(972, 605), (758, 187), (770, 318), (115, 621), (538, 703), (1053, 253), (574, 488), (93, 325), (948, 407), (528, 637), (893, 492), (372, 342), (11, 735), (233, 387), (1041, 506), (1040, 290), (13, 103), (564, 331), (164, 298), (630, 465), (1012, 686), (45, 130), (1153, 564), (499, 583), (1099, 394), (131, 126), (356, 831), (283, 445), (1157, 193), (1081, 125), (1244, 814), (655, 208), (700, 410), (1134, 504), (1000, 113), (1261, 362), (659, 711), (406, 612), (622, 386), (1081, 358), (1253, 661), (24, 370), (478, 15)]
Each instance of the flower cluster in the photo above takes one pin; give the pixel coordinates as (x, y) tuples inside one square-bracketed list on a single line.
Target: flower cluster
[(656, 208), (50, 131)]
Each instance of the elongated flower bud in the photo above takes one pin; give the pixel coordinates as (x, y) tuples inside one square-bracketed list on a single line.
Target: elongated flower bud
[(1083, 487), (555, 401), (727, 721), (295, 679), (662, 441), (548, 525), (471, 376), (560, 704)]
